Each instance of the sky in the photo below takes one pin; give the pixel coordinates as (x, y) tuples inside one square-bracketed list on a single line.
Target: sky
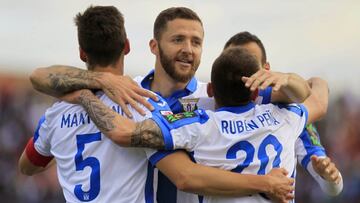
[(311, 38)]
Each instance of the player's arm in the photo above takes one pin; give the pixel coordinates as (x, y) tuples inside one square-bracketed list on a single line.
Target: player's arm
[(59, 80), (312, 157), (317, 102), (31, 162), (320, 89), (121, 130), (321, 168), (28, 168), (287, 87), (327, 175), (195, 178)]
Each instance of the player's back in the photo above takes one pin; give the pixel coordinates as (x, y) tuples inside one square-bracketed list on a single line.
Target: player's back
[(90, 167), (255, 142), (250, 139)]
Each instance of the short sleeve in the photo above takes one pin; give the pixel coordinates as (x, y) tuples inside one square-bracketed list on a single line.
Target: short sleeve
[(181, 131), (38, 147), (41, 135), (308, 144), (154, 156)]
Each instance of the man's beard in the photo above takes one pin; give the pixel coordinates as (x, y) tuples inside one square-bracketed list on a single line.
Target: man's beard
[(169, 67)]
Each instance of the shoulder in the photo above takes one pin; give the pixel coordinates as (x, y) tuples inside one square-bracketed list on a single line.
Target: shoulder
[(201, 89), (297, 109), (59, 107), (185, 118)]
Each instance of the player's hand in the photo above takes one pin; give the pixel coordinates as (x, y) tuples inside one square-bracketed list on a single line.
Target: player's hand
[(73, 97), (123, 90), (265, 78), (326, 169), (281, 186)]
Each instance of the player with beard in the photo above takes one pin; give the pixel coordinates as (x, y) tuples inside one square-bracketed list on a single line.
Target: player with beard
[(177, 45)]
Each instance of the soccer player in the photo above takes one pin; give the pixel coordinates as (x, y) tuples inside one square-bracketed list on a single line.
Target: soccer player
[(265, 133), (88, 162), (308, 147), (177, 45), (90, 166)]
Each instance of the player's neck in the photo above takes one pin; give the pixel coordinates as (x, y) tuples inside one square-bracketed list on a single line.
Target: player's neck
[(164, 84), (219, 105), (116, 69)]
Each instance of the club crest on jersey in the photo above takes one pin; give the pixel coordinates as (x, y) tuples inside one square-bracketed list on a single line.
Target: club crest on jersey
[(189, 104), (314, 135), (171, 118)]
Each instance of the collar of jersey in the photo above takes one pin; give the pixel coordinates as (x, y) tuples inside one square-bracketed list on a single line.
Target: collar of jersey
[(145, 83), (237, 109)]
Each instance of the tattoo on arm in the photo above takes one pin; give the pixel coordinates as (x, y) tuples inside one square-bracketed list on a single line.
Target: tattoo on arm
[(147, 134), (101, 115), (71, 80)]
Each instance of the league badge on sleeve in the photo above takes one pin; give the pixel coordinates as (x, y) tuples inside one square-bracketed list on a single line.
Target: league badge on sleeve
[(314, 135), (189, 104)]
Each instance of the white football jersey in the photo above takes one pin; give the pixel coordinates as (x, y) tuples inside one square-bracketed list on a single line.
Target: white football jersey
[(250, 139), (197, 98), (90, 167)]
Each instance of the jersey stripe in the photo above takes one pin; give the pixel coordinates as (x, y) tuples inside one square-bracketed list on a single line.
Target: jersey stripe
[(41, 121), (149, 190), (314, 150)]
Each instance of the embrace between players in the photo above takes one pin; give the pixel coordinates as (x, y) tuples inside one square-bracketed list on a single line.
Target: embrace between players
[(235, 139)]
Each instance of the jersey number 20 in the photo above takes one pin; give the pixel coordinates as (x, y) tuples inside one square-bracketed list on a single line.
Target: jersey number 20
[(250, 150)]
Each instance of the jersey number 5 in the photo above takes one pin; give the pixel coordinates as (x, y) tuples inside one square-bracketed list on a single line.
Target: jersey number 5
[(92, 162), (250, 150)]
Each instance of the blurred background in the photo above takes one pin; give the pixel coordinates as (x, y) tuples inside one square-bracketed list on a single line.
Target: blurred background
[(310, 38)]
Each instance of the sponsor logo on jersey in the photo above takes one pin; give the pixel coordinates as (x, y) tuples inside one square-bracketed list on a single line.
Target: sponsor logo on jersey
[(165, 113), (189, 104), (314, 135), (171, 118)]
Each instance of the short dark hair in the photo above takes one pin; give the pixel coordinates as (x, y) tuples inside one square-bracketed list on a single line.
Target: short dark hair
[(101, 34), (171, 14), (226, 74), (243, 38)]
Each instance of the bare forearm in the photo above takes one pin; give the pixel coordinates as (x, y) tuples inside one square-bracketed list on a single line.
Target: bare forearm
[(191, 177), (297, 89), (211, 181), (108, 121), (28, 168), (120, 129), (320, 88), (59, 80), (330, 187), (317, 103)]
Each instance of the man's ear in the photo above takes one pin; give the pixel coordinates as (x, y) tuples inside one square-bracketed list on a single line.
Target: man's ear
[(83, 55), (210, 90), (267, 66), (127, 47), (153, 44)]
